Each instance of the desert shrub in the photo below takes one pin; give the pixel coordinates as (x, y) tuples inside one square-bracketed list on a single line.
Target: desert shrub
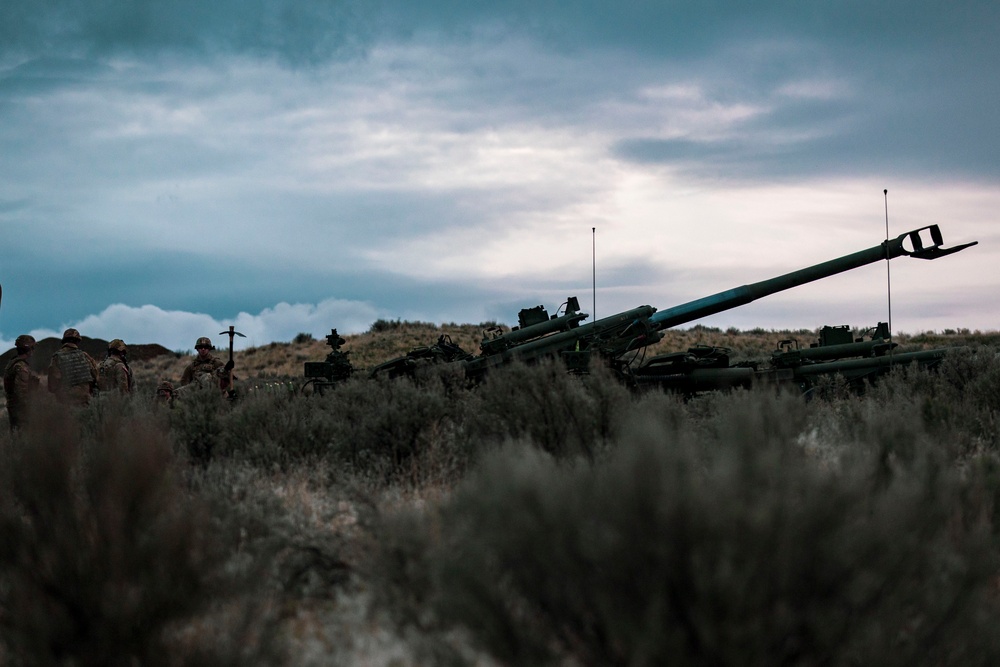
[(391, 427), (728, 543), (279, 524), (561, 413), (956, 402), (277, 429), (196, 423), (751, 420), (383, 326), (963, 393), (973, 372), (104, 558), (399, 428), (669, 412), (609, 401)]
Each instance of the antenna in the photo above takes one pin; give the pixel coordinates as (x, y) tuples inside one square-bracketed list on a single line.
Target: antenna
[(888, 276), (593, 256)]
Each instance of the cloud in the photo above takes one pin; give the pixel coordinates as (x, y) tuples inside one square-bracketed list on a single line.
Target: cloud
[(299, 32), (178, 330)]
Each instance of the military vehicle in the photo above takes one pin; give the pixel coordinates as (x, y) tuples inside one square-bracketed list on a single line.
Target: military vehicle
[(836, 352), (615, 339)]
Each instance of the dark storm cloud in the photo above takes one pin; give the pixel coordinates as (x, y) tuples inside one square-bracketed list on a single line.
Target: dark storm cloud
[(293, 31), (41, 75), (12, 205), (921, 77), (829, 139), (311, 31)]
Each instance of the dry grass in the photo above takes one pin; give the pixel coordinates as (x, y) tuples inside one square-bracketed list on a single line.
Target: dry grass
[(282, 361)]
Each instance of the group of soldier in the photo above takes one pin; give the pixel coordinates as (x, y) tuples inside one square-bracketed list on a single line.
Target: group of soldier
[(74, 377)]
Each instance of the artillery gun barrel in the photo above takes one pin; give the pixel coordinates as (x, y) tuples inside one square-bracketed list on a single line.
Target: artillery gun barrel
[(539, 335), (738, 296), (847, 366), (614, 327), (518, 336), (867, 348)]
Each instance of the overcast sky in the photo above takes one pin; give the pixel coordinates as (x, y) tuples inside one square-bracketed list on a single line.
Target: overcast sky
[(171, 168)]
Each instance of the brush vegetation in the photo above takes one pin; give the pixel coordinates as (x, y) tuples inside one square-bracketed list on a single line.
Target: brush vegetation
[(388, 339), (540, 518)]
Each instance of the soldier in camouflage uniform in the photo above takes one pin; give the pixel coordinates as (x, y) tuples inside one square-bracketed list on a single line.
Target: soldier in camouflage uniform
[(72, 375), (20, 382), (165, 393), (114, 372), (207, 367)]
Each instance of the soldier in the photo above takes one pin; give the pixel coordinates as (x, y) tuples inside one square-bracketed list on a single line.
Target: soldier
[(114, 372), (20, 382), (72, 372), (207, 367), (165, 393)]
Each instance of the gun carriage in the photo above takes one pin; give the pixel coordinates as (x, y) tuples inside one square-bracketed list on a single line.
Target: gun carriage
[(616, 339)]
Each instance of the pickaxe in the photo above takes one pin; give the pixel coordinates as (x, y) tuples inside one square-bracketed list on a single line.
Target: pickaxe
[(231, 333)]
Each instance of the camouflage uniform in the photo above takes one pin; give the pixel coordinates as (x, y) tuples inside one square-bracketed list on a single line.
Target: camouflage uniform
[(206, 367), (165, 393), (114, 372), (19, 382), (72, 374)]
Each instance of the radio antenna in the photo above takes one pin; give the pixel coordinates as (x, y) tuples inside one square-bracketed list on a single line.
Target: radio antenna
[(888, 275), (593, 257)]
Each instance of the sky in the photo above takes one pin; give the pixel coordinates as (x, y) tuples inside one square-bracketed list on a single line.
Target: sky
[(169, 169)]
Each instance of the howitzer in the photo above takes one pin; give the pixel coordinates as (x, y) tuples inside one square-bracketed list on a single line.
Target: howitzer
[(739, 296), (442, 352), (837, 352), (566, 336)]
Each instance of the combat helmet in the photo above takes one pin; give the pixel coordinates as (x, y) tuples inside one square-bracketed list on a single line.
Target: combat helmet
[(117, 345), (165, 391), (71, 335), (24, 342), (204, 342)]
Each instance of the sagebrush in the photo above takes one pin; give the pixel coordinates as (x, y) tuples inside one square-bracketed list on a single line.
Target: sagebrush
[(537, 518)]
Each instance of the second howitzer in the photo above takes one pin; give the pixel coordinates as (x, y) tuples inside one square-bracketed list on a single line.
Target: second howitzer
[(836, 352), (613, 338)]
